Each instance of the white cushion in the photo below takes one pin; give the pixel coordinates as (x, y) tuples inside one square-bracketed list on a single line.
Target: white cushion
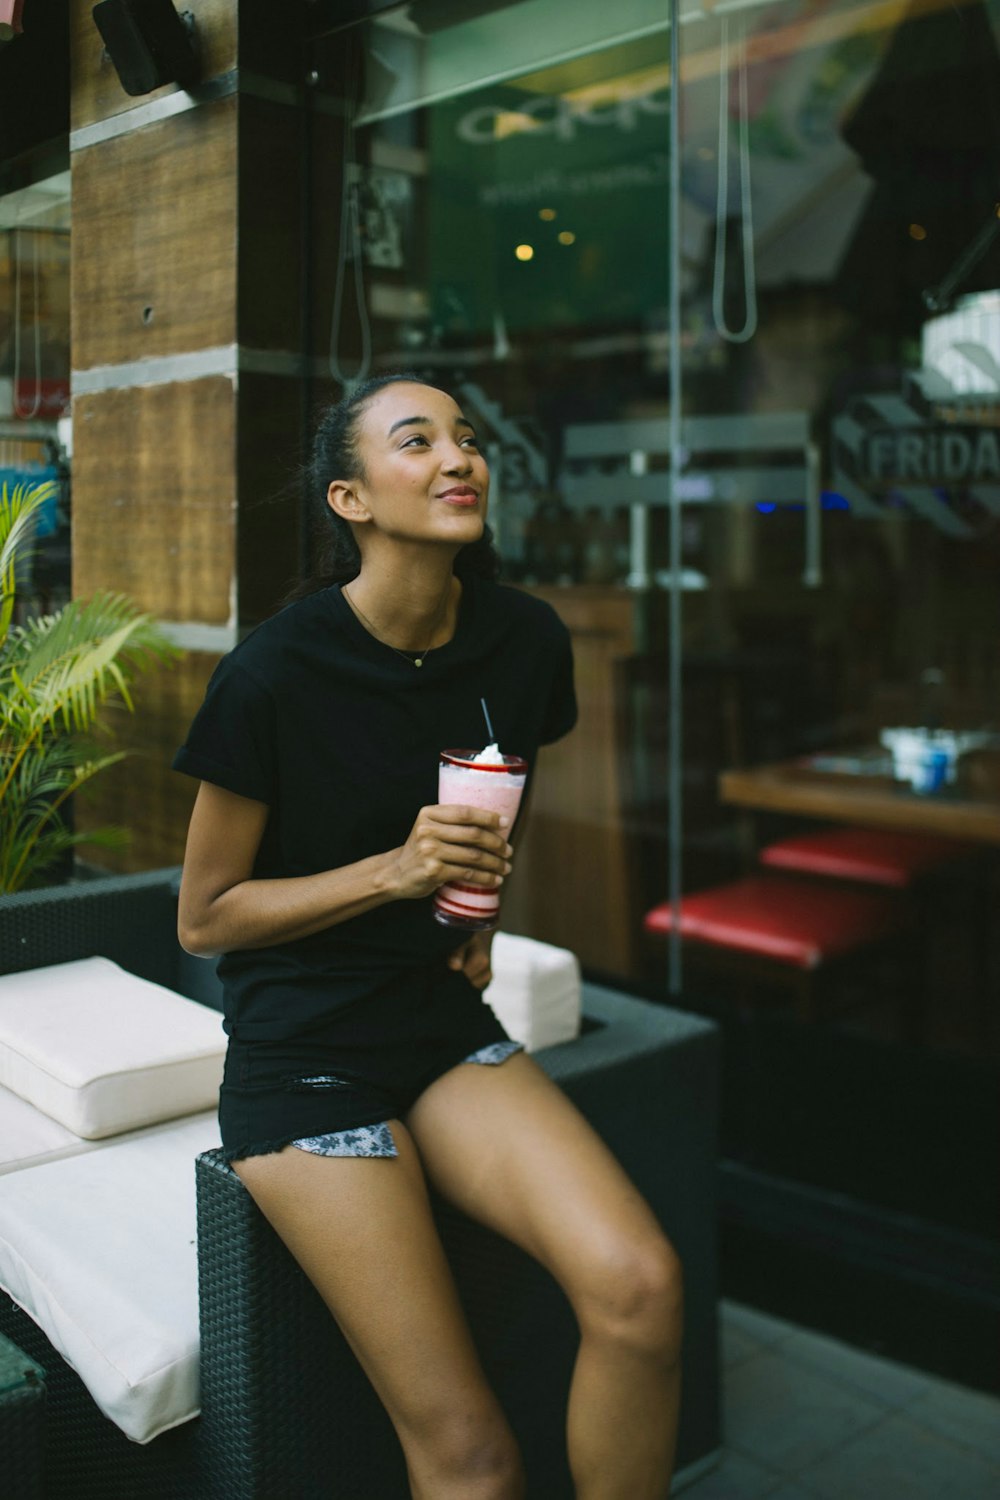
[(535, 991), (28, 1137), (101, 1252), (102, 1051)]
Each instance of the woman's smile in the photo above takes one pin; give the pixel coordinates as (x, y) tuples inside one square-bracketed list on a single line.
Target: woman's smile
[(460, 494)]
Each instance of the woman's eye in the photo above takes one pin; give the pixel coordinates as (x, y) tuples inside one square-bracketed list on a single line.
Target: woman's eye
[(470, 442), (416, 438)]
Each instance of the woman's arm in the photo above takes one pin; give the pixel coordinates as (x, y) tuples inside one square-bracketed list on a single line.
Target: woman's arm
[(222, 907)]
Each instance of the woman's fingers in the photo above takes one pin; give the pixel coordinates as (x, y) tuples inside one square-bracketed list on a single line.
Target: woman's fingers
[(464, 862), (454, 812), (453, 843), (477, 844), (466, 831), (473, 958)]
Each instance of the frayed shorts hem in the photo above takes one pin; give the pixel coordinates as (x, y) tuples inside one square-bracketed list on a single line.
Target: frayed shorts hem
[(366, 1140)]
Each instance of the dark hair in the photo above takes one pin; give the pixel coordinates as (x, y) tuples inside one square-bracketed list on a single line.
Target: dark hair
[(335, 455)]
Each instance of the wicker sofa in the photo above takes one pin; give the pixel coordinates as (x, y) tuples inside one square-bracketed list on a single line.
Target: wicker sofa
[(285, 1410)]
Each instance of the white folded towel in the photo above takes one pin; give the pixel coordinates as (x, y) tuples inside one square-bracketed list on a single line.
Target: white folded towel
[(535, 991)]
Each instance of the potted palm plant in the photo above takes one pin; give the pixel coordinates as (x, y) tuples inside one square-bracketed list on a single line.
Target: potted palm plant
[(57, 674)]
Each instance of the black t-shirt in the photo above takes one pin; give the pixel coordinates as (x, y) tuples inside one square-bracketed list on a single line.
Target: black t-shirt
[(340, 737)]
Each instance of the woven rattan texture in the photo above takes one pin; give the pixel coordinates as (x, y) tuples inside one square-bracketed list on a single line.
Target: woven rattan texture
[(287, 1413), (86, 1456), (286, 1409), (130, 919), (22, 1411)]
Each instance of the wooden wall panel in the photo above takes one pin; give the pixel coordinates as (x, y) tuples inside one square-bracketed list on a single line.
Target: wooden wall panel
[(154, 227), (569, 883), (142, 793), (97, 90), (154, 497)]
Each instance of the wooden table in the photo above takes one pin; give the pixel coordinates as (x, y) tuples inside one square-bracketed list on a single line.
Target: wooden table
[(798, 788)]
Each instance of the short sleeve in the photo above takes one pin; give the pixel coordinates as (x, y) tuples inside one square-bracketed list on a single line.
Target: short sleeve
[(231, 742), (560, 713)]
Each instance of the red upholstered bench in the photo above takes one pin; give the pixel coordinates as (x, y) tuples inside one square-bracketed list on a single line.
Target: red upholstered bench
[(780, 930), (790, 921), (921, 870), (869, 856), (774, 938)]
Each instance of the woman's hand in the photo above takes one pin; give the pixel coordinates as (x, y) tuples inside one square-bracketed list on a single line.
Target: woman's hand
[(449, 842), (473, 958)]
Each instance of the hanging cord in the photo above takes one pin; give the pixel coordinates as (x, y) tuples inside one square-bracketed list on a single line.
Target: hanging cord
[(26, 414), (350, 240), (744, 334)]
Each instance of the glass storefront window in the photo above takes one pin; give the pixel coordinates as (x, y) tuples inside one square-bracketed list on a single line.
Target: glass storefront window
[(839, 169), (35, 371), (504, 187), (836, 491)]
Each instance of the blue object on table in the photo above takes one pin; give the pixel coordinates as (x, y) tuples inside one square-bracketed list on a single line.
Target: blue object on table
[(47, 517), (933, 771)]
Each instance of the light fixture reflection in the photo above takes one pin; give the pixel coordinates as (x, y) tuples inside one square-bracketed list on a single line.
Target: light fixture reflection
[(525, 252), (566, 237)]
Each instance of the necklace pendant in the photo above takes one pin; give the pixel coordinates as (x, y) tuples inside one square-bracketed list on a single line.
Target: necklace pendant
[(419, 661)]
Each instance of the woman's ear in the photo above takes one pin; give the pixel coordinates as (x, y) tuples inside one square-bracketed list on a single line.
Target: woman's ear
[(344, 501)]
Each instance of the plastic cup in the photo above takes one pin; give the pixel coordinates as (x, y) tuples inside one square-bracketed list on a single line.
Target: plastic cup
[(497, 788), (931, 770)]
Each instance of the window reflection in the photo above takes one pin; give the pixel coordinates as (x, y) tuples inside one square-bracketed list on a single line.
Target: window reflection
[(838, 491), (34, 374)]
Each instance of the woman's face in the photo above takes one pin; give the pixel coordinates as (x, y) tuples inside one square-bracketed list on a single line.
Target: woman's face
[(423, 477)]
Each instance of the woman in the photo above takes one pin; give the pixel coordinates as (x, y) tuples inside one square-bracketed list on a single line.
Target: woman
[(362, 1061)]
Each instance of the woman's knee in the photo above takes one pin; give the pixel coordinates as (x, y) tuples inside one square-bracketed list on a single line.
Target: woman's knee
[(633, 1294)]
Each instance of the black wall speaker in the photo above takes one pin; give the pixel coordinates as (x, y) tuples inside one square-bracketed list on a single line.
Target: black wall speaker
[(148, 43)]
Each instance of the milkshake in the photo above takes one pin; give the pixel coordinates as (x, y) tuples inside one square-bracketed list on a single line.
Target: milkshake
[(492, 781)]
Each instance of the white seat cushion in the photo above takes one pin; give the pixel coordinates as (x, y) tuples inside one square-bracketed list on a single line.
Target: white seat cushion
[(28, 1137), (102, 1051), (100, 1251), (535, 991)]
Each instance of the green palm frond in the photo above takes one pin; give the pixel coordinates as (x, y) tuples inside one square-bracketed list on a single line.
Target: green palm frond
[(65, 665), (56, 673), (52, 843), (32, 833), (44, 772), (18, 509)]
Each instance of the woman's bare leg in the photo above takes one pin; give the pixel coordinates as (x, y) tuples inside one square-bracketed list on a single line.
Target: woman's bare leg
[(361, 1228), (525, 1162)]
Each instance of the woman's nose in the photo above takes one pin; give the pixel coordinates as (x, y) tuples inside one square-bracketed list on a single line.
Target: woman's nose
[(458, 461)]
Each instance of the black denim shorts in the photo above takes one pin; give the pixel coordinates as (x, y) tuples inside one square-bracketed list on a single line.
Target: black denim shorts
[(333, 1089)]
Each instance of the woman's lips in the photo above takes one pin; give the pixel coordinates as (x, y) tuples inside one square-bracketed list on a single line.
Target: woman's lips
[(467, 498)]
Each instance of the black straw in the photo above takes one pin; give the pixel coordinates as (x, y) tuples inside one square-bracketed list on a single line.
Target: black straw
[(489, 726)]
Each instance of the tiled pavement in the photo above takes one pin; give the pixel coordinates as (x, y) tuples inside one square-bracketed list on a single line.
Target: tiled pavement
[(808, 1418)]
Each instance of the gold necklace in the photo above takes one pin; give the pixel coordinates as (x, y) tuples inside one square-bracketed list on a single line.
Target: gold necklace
[(417, 661)]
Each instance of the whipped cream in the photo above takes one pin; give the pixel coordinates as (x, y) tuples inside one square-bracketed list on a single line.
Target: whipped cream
[(491, 756)]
